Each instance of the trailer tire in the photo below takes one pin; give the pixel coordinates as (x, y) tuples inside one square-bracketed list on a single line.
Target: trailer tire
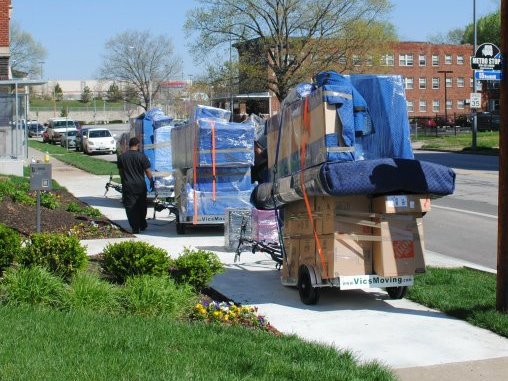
[(308, 293), (397, 292)]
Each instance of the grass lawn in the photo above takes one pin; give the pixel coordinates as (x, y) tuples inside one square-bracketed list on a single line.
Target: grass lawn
[(464, 293), (38, 344), (48, 103), (486, 142), (76, 159)]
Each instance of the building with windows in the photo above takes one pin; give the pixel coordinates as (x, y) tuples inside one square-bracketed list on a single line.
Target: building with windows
[(5, 15), (435, 76)]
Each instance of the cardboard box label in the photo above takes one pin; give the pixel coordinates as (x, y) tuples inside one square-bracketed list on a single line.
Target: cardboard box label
[(374, 281), (403, 249)]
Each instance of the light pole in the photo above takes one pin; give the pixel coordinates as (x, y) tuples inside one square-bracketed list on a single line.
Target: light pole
[(475, 118), (445, 72)]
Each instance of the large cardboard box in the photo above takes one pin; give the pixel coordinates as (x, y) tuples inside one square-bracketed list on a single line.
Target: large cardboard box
[(332, 212), (401, 204), (420, 254), (398, 245), (291, 262), (307, 251)]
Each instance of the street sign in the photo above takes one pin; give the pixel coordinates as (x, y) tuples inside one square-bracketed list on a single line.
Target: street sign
[(488, 75), (475, 100), (40, 177), (487, 57)]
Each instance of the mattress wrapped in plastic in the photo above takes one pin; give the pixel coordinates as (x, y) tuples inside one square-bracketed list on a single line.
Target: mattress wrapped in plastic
[(264, 225), (366, 177), (210, 142), (209, 112)]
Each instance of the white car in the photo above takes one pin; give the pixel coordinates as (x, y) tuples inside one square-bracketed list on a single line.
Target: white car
[(58, 125), (99, 140)]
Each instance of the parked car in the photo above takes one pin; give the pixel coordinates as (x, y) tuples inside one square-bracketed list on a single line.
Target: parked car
[(83, 132), (98, 140), (58, 125), (35, 129), (68, 139)]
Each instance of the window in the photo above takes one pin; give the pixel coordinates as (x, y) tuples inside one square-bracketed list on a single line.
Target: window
[(356, 60), (408, 83), (435, 83), (435, 105), (460, 81), (471, 82), (410, 106), (460, 59), (435, 60), (405, 60), (422, 59), (422, 83), (449, 105), (448, 59), (448, 82), (388, 60), (423, 106), (460, 105)]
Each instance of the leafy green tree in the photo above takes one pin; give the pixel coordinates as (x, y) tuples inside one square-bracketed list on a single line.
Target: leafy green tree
[(488, 29), (282, 43), (114, 94), (64, 112), (58, 93), (86, 95), (454, 37)]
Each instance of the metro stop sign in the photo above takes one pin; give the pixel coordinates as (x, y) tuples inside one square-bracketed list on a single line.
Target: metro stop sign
[(487, 57)]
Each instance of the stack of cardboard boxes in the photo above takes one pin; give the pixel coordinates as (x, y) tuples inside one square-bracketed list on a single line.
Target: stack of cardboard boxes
[(356, 235)]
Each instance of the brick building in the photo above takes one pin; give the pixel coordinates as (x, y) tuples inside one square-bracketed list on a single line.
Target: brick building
[(5, 15), (422, 66)]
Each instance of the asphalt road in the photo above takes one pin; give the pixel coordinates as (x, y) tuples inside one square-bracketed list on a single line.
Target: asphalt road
[(464, 225)]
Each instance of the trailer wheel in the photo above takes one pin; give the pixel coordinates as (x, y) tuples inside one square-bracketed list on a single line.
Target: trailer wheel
[(397, 292), (308, 293)]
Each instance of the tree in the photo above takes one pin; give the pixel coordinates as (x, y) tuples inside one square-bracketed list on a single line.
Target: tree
[(114, 94), (142, 62), (488, 29), (293, 38), (58, 93), (86, 95), (454, 37), (25, 53)]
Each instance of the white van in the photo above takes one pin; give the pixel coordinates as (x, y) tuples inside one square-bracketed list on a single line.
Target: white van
[(58, 125)]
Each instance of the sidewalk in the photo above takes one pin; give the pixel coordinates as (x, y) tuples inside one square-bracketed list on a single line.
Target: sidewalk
[(418, 342)]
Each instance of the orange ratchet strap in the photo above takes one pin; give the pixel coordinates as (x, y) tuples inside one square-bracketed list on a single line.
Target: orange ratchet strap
[(303, 154)]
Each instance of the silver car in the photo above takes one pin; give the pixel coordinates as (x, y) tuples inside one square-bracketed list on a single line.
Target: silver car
[(68, 139)]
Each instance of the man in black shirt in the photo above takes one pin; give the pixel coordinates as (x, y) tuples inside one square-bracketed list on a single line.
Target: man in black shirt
[(133, 166)]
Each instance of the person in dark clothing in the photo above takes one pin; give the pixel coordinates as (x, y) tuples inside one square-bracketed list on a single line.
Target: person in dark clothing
[(133, 166)]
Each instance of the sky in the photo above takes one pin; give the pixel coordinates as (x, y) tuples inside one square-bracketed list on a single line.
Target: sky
[(74, 31)]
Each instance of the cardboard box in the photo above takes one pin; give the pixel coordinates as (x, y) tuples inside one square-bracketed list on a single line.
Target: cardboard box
[(291, 262), (332, 211), (307, 251), (401, 204), (420, 265), (398, 246)]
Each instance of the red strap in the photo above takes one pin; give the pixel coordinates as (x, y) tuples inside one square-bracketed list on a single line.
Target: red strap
[(303, 153)]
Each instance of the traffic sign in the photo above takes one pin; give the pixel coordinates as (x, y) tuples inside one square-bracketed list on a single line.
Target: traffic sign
[(475, 100), (488, 75)]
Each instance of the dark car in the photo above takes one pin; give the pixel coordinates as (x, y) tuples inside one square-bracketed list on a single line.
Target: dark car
[(35, 130), (79, 138)]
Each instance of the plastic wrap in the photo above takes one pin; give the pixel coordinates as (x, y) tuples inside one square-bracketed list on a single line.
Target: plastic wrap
[(201, 112), (386, 101), (211, 142), (226, 179), (264, 225), (234, 219)]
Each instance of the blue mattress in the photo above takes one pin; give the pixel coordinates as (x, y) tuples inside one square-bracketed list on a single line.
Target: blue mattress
[(366, 177)]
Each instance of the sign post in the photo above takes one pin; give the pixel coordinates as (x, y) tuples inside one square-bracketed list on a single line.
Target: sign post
[(40, 179)]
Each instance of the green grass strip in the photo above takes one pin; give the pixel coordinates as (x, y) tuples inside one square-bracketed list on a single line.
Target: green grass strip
[(486, 141), (76, 159), (464, 293), (38, 344)]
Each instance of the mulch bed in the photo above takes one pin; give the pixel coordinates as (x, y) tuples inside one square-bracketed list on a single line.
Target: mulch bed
[(22, 218)]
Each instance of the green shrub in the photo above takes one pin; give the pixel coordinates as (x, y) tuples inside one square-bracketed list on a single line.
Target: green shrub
[(87, 292), (92, 212), (73, 207), (149, 295), (33, 286), (196, 267), (62, 255), (22, 197), (10, 246), (130, 258), (49, 200)]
